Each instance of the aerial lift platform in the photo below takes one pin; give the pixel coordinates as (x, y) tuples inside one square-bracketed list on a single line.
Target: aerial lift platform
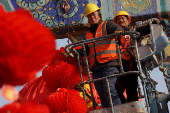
[(148, 52)]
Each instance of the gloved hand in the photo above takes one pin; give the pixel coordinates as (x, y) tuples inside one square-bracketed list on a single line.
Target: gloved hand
[(65, 54)]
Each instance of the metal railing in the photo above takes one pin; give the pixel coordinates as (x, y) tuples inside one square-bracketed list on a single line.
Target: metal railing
[(149, 90)]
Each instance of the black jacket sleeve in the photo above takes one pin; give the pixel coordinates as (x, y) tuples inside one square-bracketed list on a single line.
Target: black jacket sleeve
[(143, 30), (111, 27), (80, 51)]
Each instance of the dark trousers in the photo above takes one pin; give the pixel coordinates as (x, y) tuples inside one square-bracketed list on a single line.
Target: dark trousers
[(128, 82), (102, 88)]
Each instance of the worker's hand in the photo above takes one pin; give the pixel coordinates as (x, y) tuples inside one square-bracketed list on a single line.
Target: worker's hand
[(118, 31), (118, 37), (67, 55)]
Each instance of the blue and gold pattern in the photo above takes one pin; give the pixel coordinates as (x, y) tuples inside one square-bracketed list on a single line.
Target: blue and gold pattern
[(50, 12), (138, 8), (135, 6)]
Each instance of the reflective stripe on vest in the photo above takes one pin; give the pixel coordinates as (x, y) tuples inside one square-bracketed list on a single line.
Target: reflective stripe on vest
[(124, 53), (103, 51)]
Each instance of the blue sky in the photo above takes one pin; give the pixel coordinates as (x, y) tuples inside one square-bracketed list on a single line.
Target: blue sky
[(155, 74)]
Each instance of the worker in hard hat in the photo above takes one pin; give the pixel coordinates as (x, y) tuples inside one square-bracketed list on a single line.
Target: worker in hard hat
[(103, 57), (128, 82)]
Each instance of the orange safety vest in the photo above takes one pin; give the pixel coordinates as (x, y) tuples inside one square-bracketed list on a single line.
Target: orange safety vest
[(103, 51), (125, 41)]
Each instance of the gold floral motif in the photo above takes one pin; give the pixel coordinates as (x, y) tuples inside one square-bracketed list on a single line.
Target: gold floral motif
[(135, 6)]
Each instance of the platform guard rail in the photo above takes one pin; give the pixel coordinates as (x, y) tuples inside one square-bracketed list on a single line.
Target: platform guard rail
[(155, 102)]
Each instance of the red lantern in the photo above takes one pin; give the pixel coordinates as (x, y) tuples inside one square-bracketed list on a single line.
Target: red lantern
[(35, 90), (67, 101), (33, 107), (59, 57), (30, 107), (26, 47), (62, 75), (57, 76), (11, 108)]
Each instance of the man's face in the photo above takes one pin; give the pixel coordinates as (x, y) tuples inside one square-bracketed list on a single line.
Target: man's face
[(93, 18), (123, 21)]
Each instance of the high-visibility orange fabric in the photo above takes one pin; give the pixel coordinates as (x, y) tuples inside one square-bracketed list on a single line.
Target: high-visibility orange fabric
[(125, 95), (105, 50), (125, 41)]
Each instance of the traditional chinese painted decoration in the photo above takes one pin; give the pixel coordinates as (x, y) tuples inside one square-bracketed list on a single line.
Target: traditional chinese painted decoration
[(135, 6), (51, 12)]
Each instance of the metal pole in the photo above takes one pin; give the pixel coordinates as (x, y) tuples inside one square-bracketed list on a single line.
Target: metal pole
[(88, 72), (140, 72), (119, 56), (109, 94), (84, 94)]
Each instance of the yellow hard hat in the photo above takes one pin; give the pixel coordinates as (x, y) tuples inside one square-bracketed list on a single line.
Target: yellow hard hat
[(90, 8), (121, 13)]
